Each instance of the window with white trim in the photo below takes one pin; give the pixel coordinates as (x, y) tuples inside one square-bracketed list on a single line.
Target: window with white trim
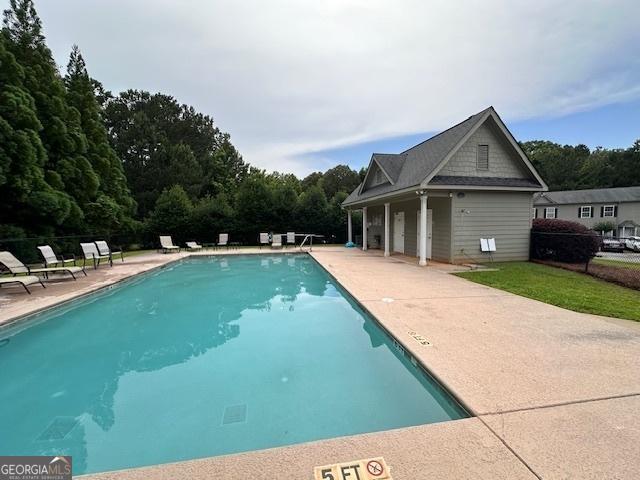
[(550, 212), (609, 211), (586, 211), (534, 213), (482, 162)]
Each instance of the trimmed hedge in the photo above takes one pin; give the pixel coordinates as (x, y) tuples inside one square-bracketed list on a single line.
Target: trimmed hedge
[(563, 241)]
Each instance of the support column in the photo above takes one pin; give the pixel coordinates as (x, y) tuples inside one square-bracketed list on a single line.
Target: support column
[(349, 230), (386, 229), (423, 229), (364, 228)]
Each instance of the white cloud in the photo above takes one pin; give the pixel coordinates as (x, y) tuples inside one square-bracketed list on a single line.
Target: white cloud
[(286, 77)]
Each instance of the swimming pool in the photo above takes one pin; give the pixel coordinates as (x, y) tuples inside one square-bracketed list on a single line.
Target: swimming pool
[(208, 356)]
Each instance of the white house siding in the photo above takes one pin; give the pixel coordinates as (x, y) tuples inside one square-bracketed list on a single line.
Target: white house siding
[(503, 160), (505, 216)]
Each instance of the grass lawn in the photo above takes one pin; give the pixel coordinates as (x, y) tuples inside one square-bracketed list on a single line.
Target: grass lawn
[(570, 290), (616, 263)]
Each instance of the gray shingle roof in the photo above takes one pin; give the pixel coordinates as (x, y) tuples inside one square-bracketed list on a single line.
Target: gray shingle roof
[(483, 181), (418, 161), (409, 168), (596, 195), (391, 163)]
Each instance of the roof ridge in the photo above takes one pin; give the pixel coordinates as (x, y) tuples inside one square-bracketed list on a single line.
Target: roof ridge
[(445, 131), (590, 189)]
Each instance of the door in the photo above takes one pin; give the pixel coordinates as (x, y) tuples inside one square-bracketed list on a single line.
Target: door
[(429, 232), (398, 232)]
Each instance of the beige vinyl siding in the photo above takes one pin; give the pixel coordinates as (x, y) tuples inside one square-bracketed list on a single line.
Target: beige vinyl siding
[(441, 228), (505, 216), (504, 161)]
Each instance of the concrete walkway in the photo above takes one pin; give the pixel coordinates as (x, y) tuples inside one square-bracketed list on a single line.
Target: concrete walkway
[(556, 392)]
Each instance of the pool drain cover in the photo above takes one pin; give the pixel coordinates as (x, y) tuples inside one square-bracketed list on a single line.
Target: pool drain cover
[(58, 429), (235, 414)]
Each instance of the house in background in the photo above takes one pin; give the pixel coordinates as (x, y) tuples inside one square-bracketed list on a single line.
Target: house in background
[(618, 206), (440, 197)]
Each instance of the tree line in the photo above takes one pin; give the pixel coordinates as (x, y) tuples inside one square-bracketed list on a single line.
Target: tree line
[(76, 159), (568, 167)]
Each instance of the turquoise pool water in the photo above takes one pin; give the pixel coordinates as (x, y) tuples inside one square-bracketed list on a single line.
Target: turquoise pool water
[(209, 356)]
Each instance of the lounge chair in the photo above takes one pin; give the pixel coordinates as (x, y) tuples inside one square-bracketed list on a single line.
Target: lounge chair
[(276, 241), (223, 240), (264, 239), (167, 244), (50, 258), (24, 281), (193, 246), (16, 267), (90, 252), (104, 249), (291, 238)]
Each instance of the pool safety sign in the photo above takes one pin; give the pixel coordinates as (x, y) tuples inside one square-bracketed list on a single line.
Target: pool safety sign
[(368, 469)]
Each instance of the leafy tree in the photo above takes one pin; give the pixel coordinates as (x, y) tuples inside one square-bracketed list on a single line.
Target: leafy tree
[(171, 214), (254, 205), (312, 210), (211, 216), (162, 142), (340, 178), (311, 180)]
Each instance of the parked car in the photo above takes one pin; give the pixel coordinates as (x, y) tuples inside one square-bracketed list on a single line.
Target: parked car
[(612, 245), (633, 243)]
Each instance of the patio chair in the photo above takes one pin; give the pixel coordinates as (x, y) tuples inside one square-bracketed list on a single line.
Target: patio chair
[(16, 267), (276, 241), (223, 240), (50, 258), (193, 246), (167, 244), (264, 239), (291, 238), (24, 281), (104, 249), (90, 252)]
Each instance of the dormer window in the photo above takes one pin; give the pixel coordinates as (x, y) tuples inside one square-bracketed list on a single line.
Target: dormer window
[(377, 179), (483, 157)]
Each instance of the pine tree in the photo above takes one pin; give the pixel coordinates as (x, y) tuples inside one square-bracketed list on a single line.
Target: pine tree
[(114, 205), (28, 201), (66, 167)]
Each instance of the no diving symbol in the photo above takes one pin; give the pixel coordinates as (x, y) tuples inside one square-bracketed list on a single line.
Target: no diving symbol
[(375, 468)]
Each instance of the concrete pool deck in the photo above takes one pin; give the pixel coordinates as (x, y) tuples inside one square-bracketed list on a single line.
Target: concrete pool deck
[(556, 392)]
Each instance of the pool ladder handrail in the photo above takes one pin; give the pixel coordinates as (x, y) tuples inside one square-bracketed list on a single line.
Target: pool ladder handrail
[(309, 236)]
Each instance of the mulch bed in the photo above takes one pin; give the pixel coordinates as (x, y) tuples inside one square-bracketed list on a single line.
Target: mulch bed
[(627, 277)]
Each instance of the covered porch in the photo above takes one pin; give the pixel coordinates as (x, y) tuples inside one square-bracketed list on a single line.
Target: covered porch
[(417, 224)]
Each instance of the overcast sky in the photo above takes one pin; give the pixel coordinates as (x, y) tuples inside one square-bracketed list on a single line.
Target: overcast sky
[(289, 77)]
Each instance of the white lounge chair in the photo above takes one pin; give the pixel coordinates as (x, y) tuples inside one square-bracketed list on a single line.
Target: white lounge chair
[(50, 258), (16, 267), (193, 246), (291, 238), (276, 241), (167, 244), (264, 239), (105, 249), (24, 281), (223, 240), (90, 252)]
